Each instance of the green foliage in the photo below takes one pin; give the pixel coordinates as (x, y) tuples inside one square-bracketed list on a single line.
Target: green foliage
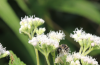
[(14, 60), (83, 8), (41, 8), (12, 21)]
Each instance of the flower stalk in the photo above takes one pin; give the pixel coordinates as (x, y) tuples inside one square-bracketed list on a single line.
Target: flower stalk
[(37, 56), (46, 56)]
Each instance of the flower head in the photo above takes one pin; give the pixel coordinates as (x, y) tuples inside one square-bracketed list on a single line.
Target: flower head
[(69, 58), (43, 42), (3, 50), (40, 31), (37, 21), (89, 60), (86, 38), (56, 35), (76, 55), (34, 41), (77, 62), (28, 23)]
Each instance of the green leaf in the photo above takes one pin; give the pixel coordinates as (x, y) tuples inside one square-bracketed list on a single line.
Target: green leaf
[(83, 8), (14, 60), (10, 18), (23, 6)]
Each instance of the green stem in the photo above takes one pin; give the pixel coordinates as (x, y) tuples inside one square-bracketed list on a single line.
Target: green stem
[(36, 51), (34, 31), (27, 34), (53, 55), (88, 51), (46, 56), (81, 50), (65, 63), (37, 56), (84, 51)]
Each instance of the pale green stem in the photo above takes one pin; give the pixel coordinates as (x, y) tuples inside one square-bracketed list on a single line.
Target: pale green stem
[(36, 51), (81, 49), (88, 51), (37, 56), (84, 51), (46, 56), (3, 55), (65, 63), (34, 31), (53, 55), (27, 34)]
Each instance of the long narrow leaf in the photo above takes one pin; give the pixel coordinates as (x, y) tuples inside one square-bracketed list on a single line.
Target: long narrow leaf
[(10, 18), (83, 8)]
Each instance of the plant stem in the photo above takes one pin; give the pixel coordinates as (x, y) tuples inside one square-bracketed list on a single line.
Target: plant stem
[(88, 51), (53, 55), (81, 49), (84, 51), (37, 56), (36, 51), (34, 31), (46, 56), (27, 34)]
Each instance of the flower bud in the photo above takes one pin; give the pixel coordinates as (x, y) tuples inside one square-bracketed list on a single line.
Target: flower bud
[(40, 31)]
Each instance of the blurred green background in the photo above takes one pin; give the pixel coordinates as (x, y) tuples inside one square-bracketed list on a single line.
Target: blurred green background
[(63, 15)]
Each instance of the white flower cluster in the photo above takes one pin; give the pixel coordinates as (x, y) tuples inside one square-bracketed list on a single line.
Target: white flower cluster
[(28, 23), (73, 59), (40, 31), (43, 41), (85, 60), (3, 50), (56, 36), (89, 60), (85, 38), (76, 59), (77, 62)]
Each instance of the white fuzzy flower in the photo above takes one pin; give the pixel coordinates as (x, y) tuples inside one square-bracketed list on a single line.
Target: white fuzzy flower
[(58, 60), (56, 35), (89, 60), (80, 35), (43, 39), (76, 55), (34, 41), (40, 31), (92, 44), (56, 44), (3, 50), (72, 63), (28, 22), (69, 58), (77, 62), (37, 21)]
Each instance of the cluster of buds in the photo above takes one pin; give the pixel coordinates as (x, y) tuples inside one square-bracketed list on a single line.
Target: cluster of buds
[(29, 23), (3, 52), (86, 38), (44, 43), (76, 59), (47, 43), (87, 41)]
